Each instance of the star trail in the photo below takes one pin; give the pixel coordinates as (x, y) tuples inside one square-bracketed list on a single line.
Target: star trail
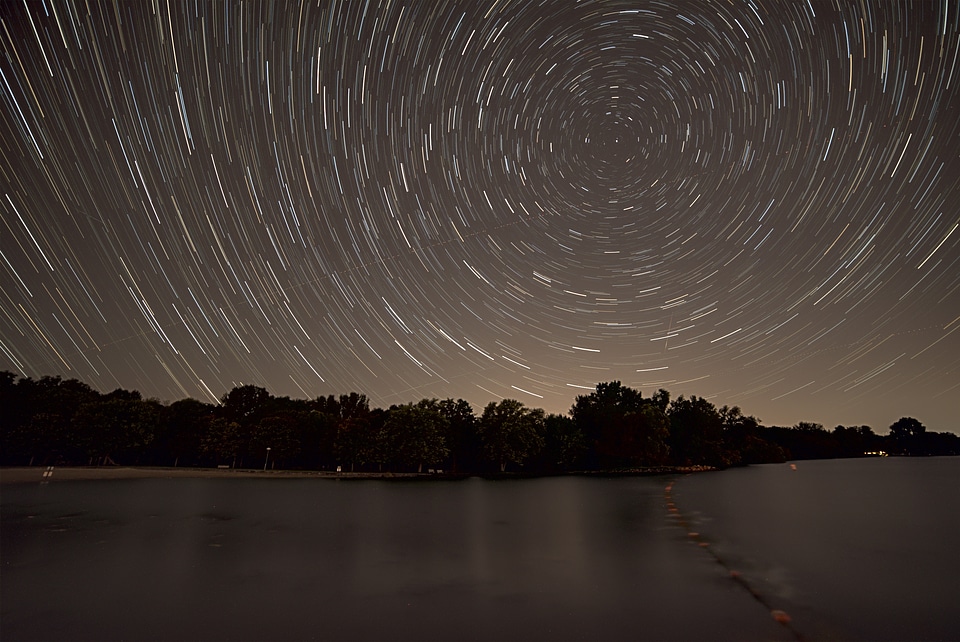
[(754, 202)]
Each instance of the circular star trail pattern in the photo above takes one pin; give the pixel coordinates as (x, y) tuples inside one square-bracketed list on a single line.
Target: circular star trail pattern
[(752, 202)]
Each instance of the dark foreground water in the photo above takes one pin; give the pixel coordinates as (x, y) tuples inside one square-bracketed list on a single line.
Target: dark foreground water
[(863, 549), (850, 549)]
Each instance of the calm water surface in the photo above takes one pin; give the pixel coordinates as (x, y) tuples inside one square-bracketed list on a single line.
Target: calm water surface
[(562, 558), (861, 549), (550, 559)]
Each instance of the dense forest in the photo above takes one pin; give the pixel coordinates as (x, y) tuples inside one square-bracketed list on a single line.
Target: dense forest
[(615, 428)]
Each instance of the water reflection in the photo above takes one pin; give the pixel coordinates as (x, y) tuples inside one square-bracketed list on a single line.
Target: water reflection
[(564, 558), (859, 549)]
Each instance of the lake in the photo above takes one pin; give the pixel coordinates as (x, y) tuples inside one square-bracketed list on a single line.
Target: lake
[(853, 549), (850, 549)]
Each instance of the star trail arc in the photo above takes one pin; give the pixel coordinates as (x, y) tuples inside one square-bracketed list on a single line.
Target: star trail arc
[(752, 202)]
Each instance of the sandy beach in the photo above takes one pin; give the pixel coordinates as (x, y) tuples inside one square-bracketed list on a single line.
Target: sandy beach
[(35, 474), (31, 474)]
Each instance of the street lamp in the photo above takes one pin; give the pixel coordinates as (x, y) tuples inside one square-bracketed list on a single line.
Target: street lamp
[(267, 459)]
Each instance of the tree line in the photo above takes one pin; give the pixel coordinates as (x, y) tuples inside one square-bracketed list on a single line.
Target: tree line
[(614, 428)]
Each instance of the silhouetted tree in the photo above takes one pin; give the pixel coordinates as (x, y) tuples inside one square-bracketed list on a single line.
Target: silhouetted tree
[(117, 427), (564, 443), (222, 441), (279, 433), (353, 405), (36, 418), (327, 426), (66, 421), (804, 440), (907, 435), (661, 399), (313, 435), (416, 434), (355, 437), (601, 417), (183, 425), (462, 439), (246, 405), (646, 435), (941, 443), (359, 438), (696, 432), (511, 432), (855, 441), (743, 441)]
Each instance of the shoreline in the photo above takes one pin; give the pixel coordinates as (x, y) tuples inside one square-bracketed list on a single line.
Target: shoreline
[(39, 474), (31, 474)]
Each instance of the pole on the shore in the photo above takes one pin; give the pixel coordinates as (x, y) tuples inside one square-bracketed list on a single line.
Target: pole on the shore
[(267, 459)]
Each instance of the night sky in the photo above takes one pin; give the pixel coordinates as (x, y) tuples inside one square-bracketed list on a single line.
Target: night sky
[(753, 202)]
